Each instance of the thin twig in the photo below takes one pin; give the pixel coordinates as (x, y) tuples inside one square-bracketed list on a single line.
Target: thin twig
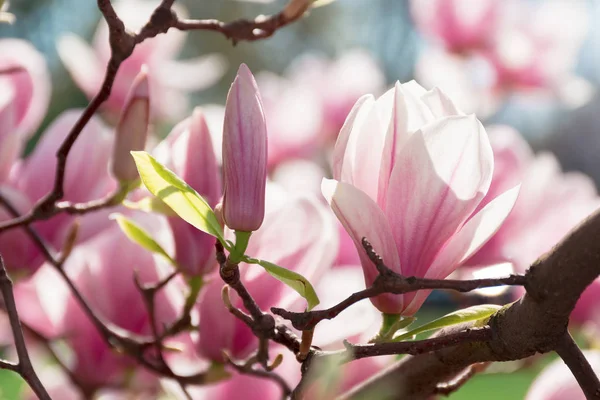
[(390, 282), (571, 354), (447, 388), (24, 367)]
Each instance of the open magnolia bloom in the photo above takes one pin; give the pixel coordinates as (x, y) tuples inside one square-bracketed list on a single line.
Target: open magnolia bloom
[(410, 171)]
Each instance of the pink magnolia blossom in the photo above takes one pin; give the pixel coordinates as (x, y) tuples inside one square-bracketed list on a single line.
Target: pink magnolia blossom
[(23, 72), (410, 170), (532, 50), (460, 25), (299, 235), (188, 151), (170, 78), (534, 225), (86, 179), (244, 155), (325, 90), (132, 129), (556, 382), (103, 270), (24, 97)]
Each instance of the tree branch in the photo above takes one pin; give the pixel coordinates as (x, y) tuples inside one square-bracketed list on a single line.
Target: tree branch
[(580, 367), (390, 282), (24, 367)]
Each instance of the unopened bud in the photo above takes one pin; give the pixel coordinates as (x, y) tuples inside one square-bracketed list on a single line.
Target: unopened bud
[(244, 155), (132, 129)]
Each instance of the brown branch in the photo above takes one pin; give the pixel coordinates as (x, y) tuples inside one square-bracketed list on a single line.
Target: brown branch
[(447, 388), (390, 282), (24, 366), (570, 353), (246, 367)]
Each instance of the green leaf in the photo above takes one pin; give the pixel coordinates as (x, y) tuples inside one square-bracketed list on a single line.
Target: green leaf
[(177, 194), (294, 280), (139, 235), (457, 317)]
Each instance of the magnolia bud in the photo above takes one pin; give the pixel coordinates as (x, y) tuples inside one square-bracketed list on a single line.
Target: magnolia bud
[(132, 129), (244, 155)]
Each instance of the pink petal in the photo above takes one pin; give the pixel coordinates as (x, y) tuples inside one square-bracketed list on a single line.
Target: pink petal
[(31, 85), (10, 141), (354, 121), (301, 236), (440, 104), (361, 217), (86, 177), (473, 234), (82, 63), (360, 167), (440, 177), (409, 113), (556, 382), (194, 74)]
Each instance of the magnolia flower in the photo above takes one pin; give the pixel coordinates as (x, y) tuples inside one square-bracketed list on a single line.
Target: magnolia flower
[(534, 225), (410, 170), (556, 382), (169, 79), (103, 270), (244, 155), (460, 25), (86, 178), (23, 72), (188, 151), (24, 97), (325, 90), (299, 235), (132, 129), (530, 50)]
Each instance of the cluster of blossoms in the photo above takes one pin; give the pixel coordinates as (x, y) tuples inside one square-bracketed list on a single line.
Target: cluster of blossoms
[(483, 51), (428, 186)]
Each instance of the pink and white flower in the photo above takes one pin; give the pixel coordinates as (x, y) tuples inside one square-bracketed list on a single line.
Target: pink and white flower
[(410, 171)]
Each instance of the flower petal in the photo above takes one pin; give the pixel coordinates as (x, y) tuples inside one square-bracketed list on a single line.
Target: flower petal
[(473, 234), (440, 177), (362, 217), (353, 122)]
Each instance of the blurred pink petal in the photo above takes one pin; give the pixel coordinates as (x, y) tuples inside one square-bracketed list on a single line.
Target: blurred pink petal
[(556, 382), (103, 269), (10, 142), (86, 176), (17, 249), (187, 150), (300, 236), (166, 84), (534, 225), (460, 25), (31, 84)]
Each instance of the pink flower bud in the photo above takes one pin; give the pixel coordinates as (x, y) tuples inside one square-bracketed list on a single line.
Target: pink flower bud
[(188, 151), (244, 155), (132, 129)]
